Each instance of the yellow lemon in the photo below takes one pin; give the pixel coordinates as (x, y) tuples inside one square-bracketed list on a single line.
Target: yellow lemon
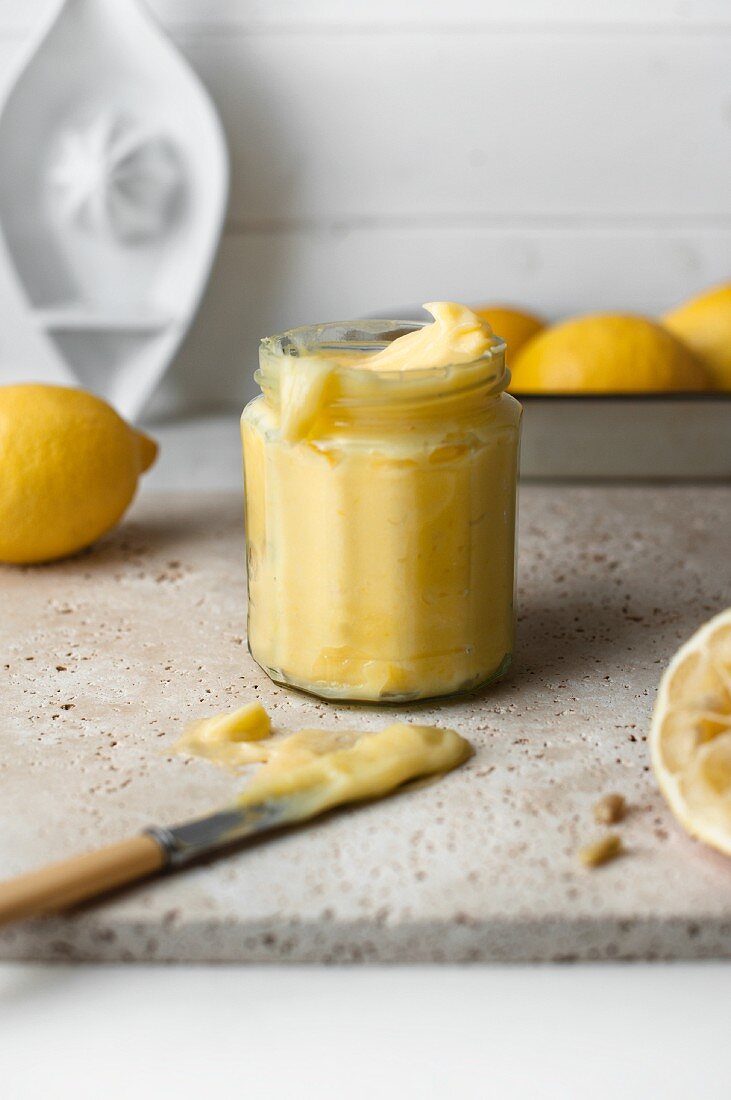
[(690, 739), (68, 470), (607, 353), (514, 326), (704, 324)]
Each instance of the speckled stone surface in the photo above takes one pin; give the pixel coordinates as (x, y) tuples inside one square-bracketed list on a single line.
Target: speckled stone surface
[(103, 660)]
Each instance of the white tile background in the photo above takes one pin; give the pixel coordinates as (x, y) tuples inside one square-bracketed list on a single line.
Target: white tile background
[(568, 154)]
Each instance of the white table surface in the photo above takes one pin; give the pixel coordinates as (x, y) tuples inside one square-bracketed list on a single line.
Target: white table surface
[(635, 1030), (599, 1032)]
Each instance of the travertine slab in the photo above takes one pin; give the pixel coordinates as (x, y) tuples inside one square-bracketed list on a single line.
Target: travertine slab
[(103, 659)]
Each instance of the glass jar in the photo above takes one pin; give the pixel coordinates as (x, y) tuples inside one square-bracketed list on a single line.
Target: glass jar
[(380, 518)]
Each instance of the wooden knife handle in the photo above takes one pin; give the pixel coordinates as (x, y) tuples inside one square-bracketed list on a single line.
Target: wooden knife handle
[(60, 885)]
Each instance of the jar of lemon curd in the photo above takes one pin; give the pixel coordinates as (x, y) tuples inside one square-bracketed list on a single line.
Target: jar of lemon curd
[(380, 510)]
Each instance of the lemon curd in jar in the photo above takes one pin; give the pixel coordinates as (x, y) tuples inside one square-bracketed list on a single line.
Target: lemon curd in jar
[(380, 470)]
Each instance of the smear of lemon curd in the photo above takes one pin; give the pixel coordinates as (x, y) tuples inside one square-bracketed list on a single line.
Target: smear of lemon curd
[(312, 770), (456, 335), (229, 739)]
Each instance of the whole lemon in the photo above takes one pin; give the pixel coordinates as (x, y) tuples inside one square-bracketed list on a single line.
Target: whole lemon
[(514, 326), (704, 324), (607, 353), (68, 470)]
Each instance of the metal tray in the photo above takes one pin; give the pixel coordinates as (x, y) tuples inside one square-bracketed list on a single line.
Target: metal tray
[(674, 436)]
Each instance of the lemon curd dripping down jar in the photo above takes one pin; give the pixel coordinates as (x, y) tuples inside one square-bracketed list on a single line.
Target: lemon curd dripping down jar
[(380, 517)]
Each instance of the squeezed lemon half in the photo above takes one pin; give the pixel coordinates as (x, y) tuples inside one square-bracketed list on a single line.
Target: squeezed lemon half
[(690, 740)]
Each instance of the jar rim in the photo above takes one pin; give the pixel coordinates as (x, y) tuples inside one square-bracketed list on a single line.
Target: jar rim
[(307, 343), (344, 336)]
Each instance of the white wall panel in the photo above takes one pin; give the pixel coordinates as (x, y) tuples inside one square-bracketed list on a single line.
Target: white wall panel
[(21, 14), (549, 13), (369, 125)]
